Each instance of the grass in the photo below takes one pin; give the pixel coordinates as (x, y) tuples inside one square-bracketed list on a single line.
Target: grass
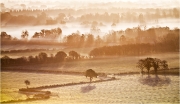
[(123, 64)]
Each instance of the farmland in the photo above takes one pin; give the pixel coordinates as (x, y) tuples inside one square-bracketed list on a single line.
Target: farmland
[(103, 64), (12, 81), (128, 89), (90, 52)]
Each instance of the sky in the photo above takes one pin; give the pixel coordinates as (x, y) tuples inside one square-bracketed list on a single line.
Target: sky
[(158, 2), (145, 1)]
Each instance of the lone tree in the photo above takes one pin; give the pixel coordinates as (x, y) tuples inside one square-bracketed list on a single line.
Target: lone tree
[(27, 82), (154, 63), (91, 73)]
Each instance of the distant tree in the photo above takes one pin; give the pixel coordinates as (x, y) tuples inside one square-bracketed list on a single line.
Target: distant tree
[(98, 41), (27, 82), (59, 31), (122, 39), (5, 60), (60, 56), (61, 16), (31, 59), (5, 36), (90, 39), (42, 57), (21, 60), (82, 39), (91, 73), (24, 34), (74, 55)]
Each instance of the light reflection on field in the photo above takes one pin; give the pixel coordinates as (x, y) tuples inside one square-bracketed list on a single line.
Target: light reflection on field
[(126, 90), (12, 81)]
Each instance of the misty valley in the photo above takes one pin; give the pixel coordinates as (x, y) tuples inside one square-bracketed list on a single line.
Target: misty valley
[(89, 52)]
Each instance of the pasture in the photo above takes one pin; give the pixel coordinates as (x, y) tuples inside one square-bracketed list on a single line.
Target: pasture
[(128, 89)]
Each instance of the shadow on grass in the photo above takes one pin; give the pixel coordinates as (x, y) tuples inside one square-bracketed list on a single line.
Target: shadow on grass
[(87, 88), (155, 81)]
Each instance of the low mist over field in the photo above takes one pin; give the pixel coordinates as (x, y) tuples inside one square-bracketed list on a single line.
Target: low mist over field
[(90, 51)]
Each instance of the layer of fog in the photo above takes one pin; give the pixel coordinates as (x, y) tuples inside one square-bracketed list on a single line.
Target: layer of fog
[(78, 4), (69, 28)]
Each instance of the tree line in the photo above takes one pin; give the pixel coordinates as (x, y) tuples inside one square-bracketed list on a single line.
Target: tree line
[(39, 17), (41, 58), (135, 35), (169, 43), (19, 51)]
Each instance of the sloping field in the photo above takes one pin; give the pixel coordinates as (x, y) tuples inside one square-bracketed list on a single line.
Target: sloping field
[(132, 89), (11, 82), (129, 89)]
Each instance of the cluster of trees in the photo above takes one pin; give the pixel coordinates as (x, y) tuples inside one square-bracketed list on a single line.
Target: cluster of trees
[(42, 17), (81, 40), (154, 63), (48, 34), (43, 35), (134, 49), (136, 35), (130, 16), (146, 44), (41, 58)]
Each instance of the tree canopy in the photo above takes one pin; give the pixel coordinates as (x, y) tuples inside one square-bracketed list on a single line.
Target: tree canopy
[(154, 63), (91, 73)]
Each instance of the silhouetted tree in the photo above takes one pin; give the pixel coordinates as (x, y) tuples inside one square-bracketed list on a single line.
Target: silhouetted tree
[(74, 55), (5, 60), (140, 65), (24, 34), (5, 36), (152, 62), (156, 64), (91, 73), (60, 56), (27, 82)]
